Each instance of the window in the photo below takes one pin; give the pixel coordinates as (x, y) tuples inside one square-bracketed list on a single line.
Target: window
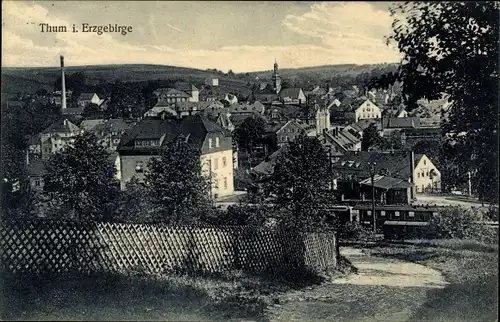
[(37, 183), (225, 183), (209, 143), (217, 143), (418, 175), (411, 214), (427, 173), (382, 213), (425, 162), (423, 174), (396, 214), (369, 213), (224, 162), (216, 163), (287, 139)]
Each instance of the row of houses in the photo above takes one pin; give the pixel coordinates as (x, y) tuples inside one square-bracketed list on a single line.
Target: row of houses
[(397, 176)]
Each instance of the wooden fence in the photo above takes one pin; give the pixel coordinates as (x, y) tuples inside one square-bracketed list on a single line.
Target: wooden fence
[(42, 246)]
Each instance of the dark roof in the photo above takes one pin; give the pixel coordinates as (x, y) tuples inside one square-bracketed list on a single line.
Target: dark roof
[(402, 122), (264, 97), (385, 182), (290, 92), (72, 111), (395, 164), (198, 106), (238, 118), (195, 128), (62, 127), (266, 167), (36, 168), (361, 125), (185, 87), (171, 91), (88, 125), (86, 96), (113, 125), (245, 107)]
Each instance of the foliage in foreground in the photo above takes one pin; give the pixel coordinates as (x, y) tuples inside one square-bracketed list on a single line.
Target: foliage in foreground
[(177, 187), (81, 179), (462, 223), (299, 187), (452, 48)]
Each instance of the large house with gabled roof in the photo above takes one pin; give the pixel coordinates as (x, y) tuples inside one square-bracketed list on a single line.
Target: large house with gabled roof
[(148, 137)]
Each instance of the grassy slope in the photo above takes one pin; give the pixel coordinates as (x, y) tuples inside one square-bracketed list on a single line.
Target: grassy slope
[(137, 297), (471, 269)]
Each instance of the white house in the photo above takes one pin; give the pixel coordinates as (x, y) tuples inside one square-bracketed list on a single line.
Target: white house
[(212, 81), (85, 99), (367, 110), (425, 175)]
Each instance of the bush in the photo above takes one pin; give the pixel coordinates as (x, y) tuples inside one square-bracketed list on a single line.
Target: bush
[(462, 223), (354, 231)]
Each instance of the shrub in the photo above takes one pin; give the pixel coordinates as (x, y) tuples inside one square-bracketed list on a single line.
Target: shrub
[(461, 223), (354, 231)]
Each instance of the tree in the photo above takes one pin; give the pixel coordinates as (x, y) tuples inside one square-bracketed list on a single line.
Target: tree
[(452, 47), (42, 92), (250, 132), (134, 204), (370, 137), (80, 178), (178, 189), (299, 186)]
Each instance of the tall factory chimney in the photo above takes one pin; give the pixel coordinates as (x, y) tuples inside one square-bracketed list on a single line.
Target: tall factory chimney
[(63, 84)]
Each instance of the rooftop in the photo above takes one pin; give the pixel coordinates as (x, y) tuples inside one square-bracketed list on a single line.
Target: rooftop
[(193, 127)]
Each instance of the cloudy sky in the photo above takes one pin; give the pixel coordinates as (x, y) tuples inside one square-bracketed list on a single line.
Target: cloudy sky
[(242, 36)]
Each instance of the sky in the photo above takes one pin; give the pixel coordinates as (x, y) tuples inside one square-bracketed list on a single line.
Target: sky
[(241, 36)]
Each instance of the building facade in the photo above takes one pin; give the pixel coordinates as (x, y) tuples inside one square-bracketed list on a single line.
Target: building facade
[(368, 110), (146, 140)]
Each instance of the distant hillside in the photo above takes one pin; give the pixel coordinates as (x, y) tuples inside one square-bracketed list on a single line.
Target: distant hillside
[(27, 80), (325, 72)]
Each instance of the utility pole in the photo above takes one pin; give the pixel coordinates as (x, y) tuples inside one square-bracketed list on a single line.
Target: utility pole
[(372, 176), (469, 183), (210, 176), (331, 168)]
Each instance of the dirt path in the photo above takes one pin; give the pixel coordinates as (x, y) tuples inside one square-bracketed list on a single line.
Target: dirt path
[(382, 290)]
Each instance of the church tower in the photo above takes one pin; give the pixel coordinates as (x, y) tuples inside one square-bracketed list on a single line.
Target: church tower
[(322, 119), (276, 78)]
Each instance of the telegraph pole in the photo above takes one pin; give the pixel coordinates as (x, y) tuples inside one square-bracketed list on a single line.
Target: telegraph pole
[(372, 176), (210, 176)]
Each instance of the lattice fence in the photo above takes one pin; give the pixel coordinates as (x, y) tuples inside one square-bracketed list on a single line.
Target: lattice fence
[(40, 246)]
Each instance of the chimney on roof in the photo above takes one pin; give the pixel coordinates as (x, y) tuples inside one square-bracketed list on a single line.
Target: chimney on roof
[(63, 84)]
